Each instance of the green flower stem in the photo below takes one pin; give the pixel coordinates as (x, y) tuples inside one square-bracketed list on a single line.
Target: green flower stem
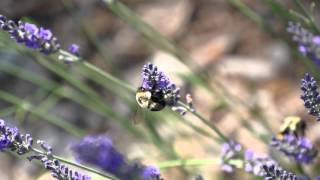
[(222, 137), (109, 77), (105, 175), (247, 11), (188, 162)]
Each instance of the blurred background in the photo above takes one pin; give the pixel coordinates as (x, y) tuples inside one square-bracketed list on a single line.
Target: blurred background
[(251, 69)]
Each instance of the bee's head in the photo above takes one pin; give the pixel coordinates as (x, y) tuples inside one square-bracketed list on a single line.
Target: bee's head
[(143, 97)]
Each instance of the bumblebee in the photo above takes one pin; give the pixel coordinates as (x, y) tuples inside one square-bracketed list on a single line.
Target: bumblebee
[(292, 124), (154, 100)]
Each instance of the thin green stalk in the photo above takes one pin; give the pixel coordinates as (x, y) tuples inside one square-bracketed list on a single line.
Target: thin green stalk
[(247, 11), (222, 137), (42, 114), (147, 31), (109, 77), (188, 162)]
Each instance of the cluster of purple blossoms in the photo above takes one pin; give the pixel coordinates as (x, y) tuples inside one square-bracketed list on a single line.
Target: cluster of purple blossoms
[(11, 139), (310, 95), (37, 38), (230, 151), (309, 44), (300, 148), (100, 152), (155, 80)]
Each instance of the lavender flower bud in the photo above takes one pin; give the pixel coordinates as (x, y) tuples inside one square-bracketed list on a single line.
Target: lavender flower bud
[(74, 49), (310, 95)]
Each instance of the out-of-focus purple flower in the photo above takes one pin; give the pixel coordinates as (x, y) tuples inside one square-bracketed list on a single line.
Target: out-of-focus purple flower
[(310, 95), (309, 44), (300, 148), (31, 35), (151, 173), (100, 152), (12, 140), (229, 151), (74, 49)]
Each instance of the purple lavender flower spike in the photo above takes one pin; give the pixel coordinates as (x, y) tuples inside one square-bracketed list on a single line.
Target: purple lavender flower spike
[(309, 44), (299, 148), (100, 152), (30, 35), (310, 95), (12, 140), (153, 78)]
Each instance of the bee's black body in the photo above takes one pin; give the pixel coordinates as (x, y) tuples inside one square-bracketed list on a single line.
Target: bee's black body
[(150, 99)]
